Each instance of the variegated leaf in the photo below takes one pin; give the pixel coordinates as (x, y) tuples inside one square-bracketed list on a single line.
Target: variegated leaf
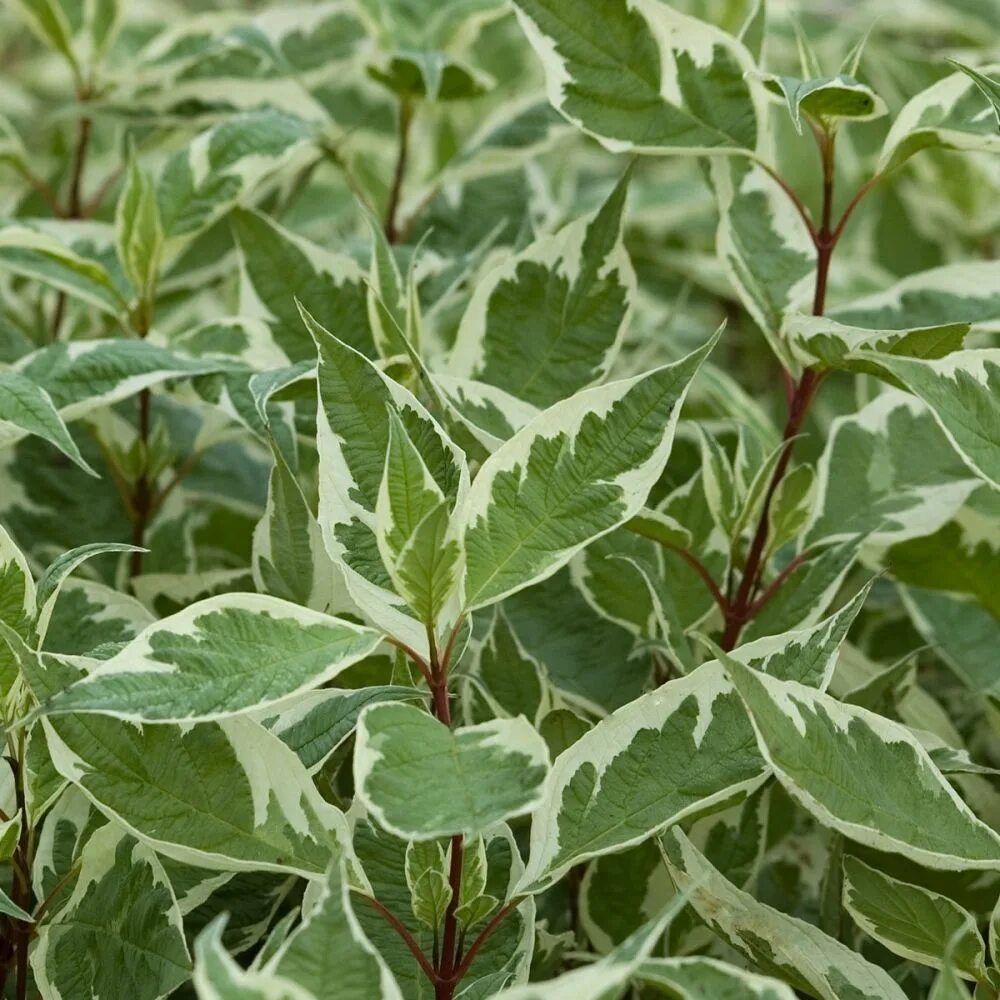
[(922, 926), (780, 945), (353, 437), (119, 931), (863, 775), (468, 779), (548, 321), (708, 979), (963, 392), (644, 77), (577, 471), (217, 658), (950, 114)]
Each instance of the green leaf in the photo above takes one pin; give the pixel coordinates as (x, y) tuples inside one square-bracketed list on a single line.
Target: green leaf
[(548, 322), (920, 925), (279, 269), (430, 75), (608, 975), (47, 19), (10, 909), (793, 950), (84, 375), (317, 723), (577, 471), (427, 878), (818, 341), (764, 244), (700, 978), (218, 977), (669, 754), (58, 572), (328, 956), (201, 183), (120, 931), (887, 473), (413, 530), (37, 254), (468, 779), (962, 633), (228, 796), (666, 755), (963, 392), (943, 296), (648, 78), (289, 558), (217, 658), (26, 408), (863, 775), (353, 421), (138, 230), (826, 100), (950, 114)]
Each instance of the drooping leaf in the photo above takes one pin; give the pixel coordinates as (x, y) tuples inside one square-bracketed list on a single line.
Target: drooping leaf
[(793, 950), (863, 775), (911, 921)]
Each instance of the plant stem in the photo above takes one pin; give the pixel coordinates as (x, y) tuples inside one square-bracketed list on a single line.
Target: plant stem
[(445, 988), (142, 498), (391, 224), (75, 207), (21, 885), (408, 939), (742, 608), (702, 570), (495, 921)]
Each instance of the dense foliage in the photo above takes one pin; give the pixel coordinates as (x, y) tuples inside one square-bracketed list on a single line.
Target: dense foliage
[(500, 500)]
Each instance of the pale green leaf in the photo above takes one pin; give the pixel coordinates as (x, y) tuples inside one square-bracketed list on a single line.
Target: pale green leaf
[(577, 471), (863, 775), (217, 658), (920, 925), (793, 950), (645, 77), (466, 779)]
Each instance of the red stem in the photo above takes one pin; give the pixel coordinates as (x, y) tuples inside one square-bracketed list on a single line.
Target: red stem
[(743, 606), (408, 939), (702, 570), (391, 224), (498, 918)]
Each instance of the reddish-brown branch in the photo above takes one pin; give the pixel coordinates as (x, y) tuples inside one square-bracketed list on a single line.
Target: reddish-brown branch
[(416, 659), (799, 204), (703, 572), (391, 224), (445, 988), (408, 939), (484, 935), (852, 205), (776, 584)]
